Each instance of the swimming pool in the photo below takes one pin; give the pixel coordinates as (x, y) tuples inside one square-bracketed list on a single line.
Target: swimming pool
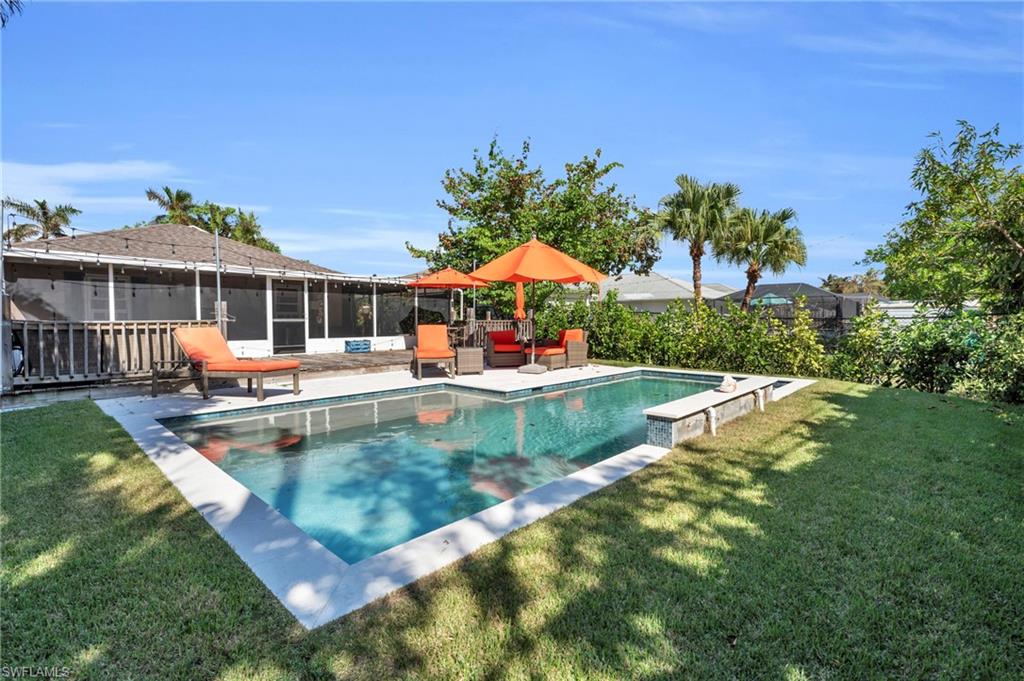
[(361, 477)]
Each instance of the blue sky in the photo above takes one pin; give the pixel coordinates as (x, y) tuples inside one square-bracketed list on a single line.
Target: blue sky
[(335, 122)]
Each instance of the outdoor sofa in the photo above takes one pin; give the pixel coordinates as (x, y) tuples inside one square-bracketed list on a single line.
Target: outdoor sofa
[(503, 350)]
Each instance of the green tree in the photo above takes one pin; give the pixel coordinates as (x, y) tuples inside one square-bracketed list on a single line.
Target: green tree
[(41, 221), (501, 201), (215, 219), (698, 214), (233, 223), (761, 240), (177, 205), (247, 229), (870, 281), (964, 238)]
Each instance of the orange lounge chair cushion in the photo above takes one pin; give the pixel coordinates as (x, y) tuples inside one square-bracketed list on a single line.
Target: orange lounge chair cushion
[(204, 342), (433, 354), (503, 338), (550, 350), (249, 365), (508, 347), (432, 342), (574, 335)]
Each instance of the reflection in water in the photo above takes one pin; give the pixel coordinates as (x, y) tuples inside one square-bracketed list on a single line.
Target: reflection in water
[(363, 477)]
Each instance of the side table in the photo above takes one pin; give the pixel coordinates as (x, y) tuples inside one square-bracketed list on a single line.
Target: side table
[(469, 361)]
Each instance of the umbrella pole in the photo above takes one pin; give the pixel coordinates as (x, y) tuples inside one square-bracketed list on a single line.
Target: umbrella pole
[(533, 342)]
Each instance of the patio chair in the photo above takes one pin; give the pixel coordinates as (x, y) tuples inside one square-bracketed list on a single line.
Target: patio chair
[(570, 350), (432, 348), (208, 356), (576, 347), (503, 350)]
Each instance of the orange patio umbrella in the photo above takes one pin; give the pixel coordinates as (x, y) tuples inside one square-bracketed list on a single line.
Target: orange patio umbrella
[(520, 312), (536, 261), (448, 278)]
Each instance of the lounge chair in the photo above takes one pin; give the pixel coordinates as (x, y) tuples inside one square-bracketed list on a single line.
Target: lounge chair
[(503, 350), (210, 357), (569, 351), (432, 348), (576, 347)]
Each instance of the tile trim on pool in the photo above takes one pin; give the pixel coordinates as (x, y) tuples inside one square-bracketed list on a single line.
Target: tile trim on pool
[(314, 584), (626, 374)]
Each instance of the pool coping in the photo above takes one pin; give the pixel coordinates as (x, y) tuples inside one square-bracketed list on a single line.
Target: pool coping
[(314, 584)]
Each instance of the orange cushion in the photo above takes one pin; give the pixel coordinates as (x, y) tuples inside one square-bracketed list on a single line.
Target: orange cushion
[(508, 347), (574, 335), (506, 337), (260, 365), (432, 341), (204, 342), (561, 337), (430, 353), (550, 351)]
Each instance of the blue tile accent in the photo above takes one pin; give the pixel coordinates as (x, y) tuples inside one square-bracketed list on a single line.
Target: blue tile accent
[(659, 432)]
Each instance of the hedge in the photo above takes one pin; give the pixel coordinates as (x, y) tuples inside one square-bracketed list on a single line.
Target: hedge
[(969, 354)]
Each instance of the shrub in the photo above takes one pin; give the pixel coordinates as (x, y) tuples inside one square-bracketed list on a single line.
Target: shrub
[(968, 354)]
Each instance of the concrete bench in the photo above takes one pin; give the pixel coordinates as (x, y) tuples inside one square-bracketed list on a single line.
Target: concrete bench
[(673, 422)]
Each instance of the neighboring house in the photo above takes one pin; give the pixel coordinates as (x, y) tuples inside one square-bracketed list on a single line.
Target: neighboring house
[(905, 311), (59, 290), (830, 311), (651, 292)]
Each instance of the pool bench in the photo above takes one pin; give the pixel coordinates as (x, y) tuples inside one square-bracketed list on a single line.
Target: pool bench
[(674, 422)]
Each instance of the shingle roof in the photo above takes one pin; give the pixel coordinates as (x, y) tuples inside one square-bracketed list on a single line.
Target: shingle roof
[(655, 286), (170, 242)]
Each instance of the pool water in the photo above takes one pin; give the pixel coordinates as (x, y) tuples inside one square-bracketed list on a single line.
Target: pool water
[(363, 477)]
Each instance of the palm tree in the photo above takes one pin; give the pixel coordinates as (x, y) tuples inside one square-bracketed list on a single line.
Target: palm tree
[(699, 214), (177, 205), (215, 219), (761, 240), (43, 222), (8, 8)]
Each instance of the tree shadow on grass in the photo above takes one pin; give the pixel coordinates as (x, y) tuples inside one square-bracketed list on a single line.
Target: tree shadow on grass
[(849, 531)]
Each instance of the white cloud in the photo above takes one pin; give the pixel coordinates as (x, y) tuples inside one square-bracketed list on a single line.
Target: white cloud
[(376, 215), (58, 125), (74, 183), (924, 50)]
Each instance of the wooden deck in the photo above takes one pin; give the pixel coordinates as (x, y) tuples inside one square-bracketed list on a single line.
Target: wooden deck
[(354, 362)]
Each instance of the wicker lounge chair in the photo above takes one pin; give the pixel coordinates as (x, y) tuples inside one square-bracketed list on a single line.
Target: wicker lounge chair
[(432, 348), (210, 357), (569, 351), (503, 350), (576, 347)]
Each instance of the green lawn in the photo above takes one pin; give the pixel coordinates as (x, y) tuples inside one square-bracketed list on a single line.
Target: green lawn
[(851, 531)]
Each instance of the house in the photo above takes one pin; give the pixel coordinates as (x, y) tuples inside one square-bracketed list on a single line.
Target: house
[(116, 293), (829, 311), (653, 292)]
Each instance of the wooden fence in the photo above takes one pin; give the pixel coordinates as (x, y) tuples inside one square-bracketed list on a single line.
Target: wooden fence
[(474, 332), (61, 352)]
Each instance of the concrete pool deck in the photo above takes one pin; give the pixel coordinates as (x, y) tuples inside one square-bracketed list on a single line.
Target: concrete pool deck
[(314, 584)]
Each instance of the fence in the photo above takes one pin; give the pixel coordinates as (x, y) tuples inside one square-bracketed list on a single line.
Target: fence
[(474, 331), (60, 352), (830, 316)]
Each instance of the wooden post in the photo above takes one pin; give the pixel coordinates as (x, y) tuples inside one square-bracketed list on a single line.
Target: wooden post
[(7, 360)]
